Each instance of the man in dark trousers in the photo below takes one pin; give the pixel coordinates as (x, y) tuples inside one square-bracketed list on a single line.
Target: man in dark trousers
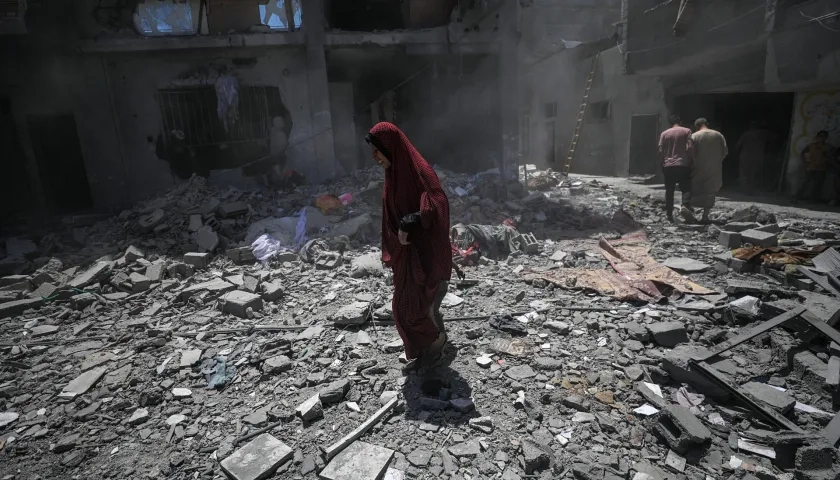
[(675, 155)]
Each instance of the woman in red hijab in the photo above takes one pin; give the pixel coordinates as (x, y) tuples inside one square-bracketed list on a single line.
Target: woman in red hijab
[(415, 242)]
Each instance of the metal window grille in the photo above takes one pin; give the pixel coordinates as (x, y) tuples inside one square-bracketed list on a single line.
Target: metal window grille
[(189, 117)]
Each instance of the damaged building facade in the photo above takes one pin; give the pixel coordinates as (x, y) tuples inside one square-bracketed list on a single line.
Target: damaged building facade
[(106, 102), (734, 63)]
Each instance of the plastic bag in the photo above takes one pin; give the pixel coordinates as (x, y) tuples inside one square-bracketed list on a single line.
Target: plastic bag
[(265, 247), (346, 199), (300, 230)]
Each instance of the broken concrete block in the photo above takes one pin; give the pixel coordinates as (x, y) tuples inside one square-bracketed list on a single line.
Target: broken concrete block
[(759, 238), (10, 309), (96, 273), (277, 364), (82, 383), (240, 255), (45, 290), (730, 239), (197, 260), (561, 328), (777, 399), (334, 392), (359, 461), (329, 262), (832, 378), (82, 300), (740, 226), (817, 458), (42, 330), (651, 396), (681, 429), (353, 314), (207, 239), (310, 409), (215, 287), (238, 302), (232, 209), (675, 362), (154, 272), (271, 291), (139, 282), (180, 269), (133, 253), (770, 228), (258, 459), (195, 222), (668, 334), (189, 358), (537, 457)]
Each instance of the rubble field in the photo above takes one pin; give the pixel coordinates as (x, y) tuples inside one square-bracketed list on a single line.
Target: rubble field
[(211, 334)]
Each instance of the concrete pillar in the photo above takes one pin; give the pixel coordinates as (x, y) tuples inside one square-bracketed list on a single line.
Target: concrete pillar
[(509, 110), (319, 93)]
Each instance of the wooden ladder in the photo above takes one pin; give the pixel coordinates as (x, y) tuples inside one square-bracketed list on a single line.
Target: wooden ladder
[(581, 116)]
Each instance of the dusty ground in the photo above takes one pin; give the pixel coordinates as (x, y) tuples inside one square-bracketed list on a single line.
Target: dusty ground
[(555, 399)]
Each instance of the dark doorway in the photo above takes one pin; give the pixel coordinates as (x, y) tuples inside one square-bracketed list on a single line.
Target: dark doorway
[(731, 114), (644, 144), (61, 167), (15, 195)]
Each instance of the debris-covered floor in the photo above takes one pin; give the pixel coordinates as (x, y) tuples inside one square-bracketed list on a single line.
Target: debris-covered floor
[(155, 344)]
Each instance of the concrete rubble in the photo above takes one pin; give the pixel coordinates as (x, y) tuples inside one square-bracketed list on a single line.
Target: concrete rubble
[(161, 348)]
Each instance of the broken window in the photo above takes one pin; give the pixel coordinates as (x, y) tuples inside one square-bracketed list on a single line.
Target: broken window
[(275, 14), (599, 111), (164, 17)]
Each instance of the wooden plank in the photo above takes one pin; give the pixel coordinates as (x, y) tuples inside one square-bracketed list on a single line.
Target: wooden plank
[(351, 437)]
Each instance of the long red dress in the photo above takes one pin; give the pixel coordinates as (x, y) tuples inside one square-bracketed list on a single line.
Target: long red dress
[(411, 186)]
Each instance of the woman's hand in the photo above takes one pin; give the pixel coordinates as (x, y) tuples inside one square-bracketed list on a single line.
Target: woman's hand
[(403, 237)]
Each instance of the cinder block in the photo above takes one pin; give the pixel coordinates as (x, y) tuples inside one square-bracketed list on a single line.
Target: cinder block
[(197, 260), (528, 243), (241, 255), (238, 302), (681, 429), (760, 238), (668, 334), (730, 239)]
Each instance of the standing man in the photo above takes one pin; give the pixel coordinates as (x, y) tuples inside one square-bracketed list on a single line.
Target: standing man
[(815, 157), (674, 146), (709, 149), (752, 149)]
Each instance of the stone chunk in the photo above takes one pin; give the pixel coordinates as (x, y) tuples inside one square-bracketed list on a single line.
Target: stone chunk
[(462, 405), (359, 461), (139, 282), (561, 328), (139, 416), (238, 302), (214, 287), (668, 334), (777, 399), (311, 409), (11, 309), (96, 273), (651, 396), (740, 226), (277, 364), (536, 458), (334, 392), (271, 291), (470, 448), (352, 314), (520, 372), (759, 238), (197, 260), (730, 239), (82, 383), (258, 459), (190, 358), (133, 253), (681, 429), (154, 272), (42, 330), (688, 265)]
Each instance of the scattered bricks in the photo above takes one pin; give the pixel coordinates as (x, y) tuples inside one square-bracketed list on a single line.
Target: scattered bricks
[(271, 291), (311, 409), (740, 226), (154, 272), (759, 238), (528, 243), (98, 272), (730, 239), (197, 260), (82, 300), (668, 334), (133, 253), (777, 399), (258, 459), (139, 282), (681, 429), (241, 255), (10, 309), (238, 302), (832, 378), (232, 209)]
